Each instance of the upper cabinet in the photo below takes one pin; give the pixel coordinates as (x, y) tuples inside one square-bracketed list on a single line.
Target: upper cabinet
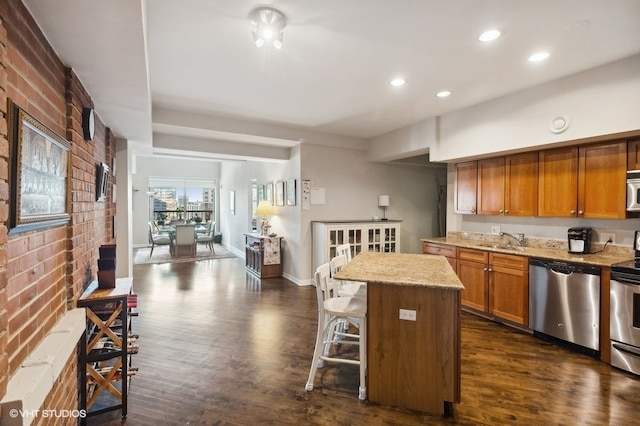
[(584, 181), (602, 173), (466, 187), (508, 185), (633, 154)]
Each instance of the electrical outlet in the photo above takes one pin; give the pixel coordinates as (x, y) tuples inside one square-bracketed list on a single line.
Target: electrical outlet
[(407, 314), (495, 229), (606, 236)]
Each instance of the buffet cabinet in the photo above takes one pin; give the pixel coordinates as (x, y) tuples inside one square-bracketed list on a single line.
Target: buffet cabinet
[(263, 255), (105, 350), (375, 236)]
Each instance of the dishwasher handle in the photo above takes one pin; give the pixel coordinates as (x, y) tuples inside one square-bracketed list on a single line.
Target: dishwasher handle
[(565, 268)]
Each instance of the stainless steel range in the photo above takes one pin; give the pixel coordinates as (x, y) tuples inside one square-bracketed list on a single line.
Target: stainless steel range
[(625, 316)]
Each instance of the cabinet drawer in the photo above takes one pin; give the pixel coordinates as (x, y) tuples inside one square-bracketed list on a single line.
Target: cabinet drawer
[(441, 249), (473, 255), (509, 261)]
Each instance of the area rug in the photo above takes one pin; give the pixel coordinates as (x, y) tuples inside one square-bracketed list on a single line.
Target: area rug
[(161, 255)]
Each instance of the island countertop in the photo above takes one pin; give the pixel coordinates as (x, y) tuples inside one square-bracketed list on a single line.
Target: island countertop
[(401, 269)]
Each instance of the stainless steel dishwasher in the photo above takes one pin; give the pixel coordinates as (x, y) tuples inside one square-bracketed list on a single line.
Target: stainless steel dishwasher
[(564, 302)]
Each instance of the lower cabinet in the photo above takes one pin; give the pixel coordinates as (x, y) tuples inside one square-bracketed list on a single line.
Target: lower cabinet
[(473, 271), (496, 284), (263, 255), (509, 287), (449, 252)]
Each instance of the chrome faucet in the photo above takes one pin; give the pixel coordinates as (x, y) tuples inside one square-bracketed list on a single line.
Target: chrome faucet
[(518, 237)]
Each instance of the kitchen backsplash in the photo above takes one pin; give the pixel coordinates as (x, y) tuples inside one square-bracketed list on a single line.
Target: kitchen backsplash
[(540, 243)]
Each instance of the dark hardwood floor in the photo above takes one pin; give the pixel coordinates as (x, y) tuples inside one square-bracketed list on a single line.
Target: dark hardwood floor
[(219, 347)]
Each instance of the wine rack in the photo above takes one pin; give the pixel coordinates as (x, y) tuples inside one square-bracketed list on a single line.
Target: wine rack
[(105, 352)]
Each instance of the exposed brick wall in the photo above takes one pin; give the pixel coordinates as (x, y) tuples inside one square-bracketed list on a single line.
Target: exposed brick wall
[(4, 196), (43, 272)]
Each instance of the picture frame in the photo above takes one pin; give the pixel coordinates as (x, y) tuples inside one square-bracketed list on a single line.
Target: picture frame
[(40, 164), (291, 192), (232, 202), (268, 190), (280, 193)]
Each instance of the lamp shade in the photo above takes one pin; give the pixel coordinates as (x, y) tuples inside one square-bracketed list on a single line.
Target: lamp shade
[(264, 209), (383, 201)]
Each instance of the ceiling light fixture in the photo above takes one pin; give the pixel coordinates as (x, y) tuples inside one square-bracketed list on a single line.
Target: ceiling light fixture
[(537, 57), (268, 24), (489, 35), (398, 82), (443, 93)]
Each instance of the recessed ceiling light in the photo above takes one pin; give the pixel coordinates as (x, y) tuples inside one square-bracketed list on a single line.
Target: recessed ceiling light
[(489, 35), (443, 93), (537, 57), (398, 82)]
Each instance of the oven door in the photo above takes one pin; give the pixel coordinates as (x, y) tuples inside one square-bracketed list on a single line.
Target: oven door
[(625, 321)]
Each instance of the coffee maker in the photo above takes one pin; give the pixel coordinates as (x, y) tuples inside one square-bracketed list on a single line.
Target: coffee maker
[(579, 240)]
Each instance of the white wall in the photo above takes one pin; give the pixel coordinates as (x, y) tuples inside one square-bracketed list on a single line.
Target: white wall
[(352, 185), (601, 101)]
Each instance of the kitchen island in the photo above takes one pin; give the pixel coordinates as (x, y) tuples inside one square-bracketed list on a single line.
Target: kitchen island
[(413, 323)]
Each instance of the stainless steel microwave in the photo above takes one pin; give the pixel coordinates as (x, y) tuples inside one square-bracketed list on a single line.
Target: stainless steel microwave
[(633, 191)]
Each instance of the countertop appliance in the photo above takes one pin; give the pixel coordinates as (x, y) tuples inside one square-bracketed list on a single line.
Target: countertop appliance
[(564, 302), (579, 240), (633, 191), (625, 312)]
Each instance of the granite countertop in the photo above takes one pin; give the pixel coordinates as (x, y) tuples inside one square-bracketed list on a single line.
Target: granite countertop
[(401, 269), (606, 258)]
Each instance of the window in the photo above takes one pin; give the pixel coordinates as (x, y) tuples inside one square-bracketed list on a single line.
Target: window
[(182, 199)]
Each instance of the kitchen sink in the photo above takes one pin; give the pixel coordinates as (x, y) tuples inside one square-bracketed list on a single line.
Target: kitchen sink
[(501, 247)]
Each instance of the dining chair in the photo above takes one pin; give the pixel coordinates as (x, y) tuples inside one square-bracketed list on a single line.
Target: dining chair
[(342, 287), (157, 239), (330, 311), (185, 239), (344, 249), (207, 236)]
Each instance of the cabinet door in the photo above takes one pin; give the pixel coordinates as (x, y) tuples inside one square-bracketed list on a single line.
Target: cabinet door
[(491, 186), (633, 154), (465, 187), (374, 239), (558, 182), (391, 239), (509, 294), (474, 277), (602, 175), (521, 184)]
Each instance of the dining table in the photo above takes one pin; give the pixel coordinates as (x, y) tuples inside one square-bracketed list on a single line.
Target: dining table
[(171, 231), (413, 329)]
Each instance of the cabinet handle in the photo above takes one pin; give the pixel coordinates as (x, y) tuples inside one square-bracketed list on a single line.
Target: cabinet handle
[(485, 269), (438, 249), (506, 211), (580, 212), (572, 212), (501, 211), (473, 210)]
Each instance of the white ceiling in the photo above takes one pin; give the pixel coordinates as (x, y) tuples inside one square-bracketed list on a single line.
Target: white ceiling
[(332, 74)]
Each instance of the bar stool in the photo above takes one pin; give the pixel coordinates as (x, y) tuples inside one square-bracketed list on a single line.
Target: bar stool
[(345, 288), (331, 310)]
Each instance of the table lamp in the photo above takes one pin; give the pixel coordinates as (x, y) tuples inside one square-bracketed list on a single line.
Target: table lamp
[(264, 209), (383, 201)]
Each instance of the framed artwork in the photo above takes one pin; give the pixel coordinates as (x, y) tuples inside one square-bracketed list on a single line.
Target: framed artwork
[(280, 193), (232, 202), (39, 173), (291, 192), (268, 191)]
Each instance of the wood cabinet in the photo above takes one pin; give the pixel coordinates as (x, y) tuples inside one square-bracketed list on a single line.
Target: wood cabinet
[(633, 154), (363, 236), (263, 255), (465, 187), (586, 181), (473, 271), (495, 283), (508, 185), (448, 251), (509, 287)]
